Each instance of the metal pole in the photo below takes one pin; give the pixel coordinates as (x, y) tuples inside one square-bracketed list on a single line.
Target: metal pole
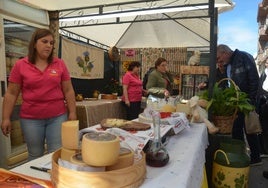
[(213, 13)]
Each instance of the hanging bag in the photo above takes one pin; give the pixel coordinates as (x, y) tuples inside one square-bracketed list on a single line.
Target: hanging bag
[(252, 123)]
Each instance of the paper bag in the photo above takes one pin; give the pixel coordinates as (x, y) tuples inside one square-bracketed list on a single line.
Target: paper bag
[(252, 123)]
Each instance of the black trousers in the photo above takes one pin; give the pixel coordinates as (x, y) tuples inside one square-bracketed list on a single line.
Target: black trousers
[(133, 110), (263, 137), (252, 139)]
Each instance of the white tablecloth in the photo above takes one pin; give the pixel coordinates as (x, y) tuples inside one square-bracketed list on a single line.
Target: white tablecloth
[(187, 159), (184, 170)]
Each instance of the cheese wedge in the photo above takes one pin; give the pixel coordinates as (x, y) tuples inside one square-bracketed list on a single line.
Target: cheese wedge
[(168, 108), (183, 108), (117, 122)]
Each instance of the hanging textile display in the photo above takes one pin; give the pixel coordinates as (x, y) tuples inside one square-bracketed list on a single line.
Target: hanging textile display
[(83, 62)]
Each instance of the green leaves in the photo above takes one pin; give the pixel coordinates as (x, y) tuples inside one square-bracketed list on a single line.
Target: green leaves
[(224, 102)]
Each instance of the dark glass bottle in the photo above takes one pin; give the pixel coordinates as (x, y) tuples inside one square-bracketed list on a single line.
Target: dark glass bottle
[(156, 154)]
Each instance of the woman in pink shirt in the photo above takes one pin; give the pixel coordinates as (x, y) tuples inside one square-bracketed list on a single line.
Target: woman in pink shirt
[(46, 88), (132, 90)]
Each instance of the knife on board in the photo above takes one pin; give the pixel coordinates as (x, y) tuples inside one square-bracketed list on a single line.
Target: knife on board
[(41, 169)]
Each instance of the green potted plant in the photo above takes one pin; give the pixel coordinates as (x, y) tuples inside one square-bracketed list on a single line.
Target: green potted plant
[(113, 87), (224, 103)]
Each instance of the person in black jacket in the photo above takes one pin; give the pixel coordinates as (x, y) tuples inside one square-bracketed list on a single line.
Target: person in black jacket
[(241, 68), (262, 110), (146, 76), (220, 74)]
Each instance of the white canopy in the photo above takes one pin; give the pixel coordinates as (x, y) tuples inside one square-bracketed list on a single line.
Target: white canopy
[(187, 25)]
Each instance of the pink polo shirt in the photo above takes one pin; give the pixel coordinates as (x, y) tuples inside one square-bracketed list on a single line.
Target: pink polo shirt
[(134, 87), (41, 91)]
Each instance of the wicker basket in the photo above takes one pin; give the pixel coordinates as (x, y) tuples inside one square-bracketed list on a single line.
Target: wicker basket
[(132, 176), (113, 53), (225, 123), (108, 96)]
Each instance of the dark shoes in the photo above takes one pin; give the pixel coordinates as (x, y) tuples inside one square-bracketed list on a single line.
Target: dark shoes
[(264, 155), (265, 174)]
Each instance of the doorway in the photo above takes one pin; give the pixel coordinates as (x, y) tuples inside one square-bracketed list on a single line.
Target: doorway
[(14, 45)]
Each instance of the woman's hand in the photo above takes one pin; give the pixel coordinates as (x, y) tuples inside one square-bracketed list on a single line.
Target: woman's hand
[(6, 127), (145, 92), (166, 93), (127, 103), (72, 116), (202, 85)]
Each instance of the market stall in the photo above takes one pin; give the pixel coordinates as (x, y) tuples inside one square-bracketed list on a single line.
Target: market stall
[(185, 168), (182, 23)]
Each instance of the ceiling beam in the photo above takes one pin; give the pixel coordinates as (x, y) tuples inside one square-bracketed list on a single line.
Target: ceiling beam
[(80, 38), (101, 12), (117, 21)]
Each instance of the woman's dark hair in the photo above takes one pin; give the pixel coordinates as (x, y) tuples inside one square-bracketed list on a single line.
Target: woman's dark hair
[(159, 61), (39, 33), (133, 64)]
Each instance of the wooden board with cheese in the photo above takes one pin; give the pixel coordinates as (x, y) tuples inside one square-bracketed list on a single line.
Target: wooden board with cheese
[(131, 176), (124, 124)]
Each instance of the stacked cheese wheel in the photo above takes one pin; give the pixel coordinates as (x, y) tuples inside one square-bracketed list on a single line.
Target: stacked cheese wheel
[(69, 139), (99, 149)]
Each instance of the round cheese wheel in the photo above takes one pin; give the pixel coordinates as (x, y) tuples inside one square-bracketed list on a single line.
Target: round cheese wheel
[(126, 159), (80, 165), (66, 154), (70, 134), (100, 149), (77, 159)]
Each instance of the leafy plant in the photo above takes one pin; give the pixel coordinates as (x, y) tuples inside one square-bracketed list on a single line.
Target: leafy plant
[(225, 101), (114, 87)]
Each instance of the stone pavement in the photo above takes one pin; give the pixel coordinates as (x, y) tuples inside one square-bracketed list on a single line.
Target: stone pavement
[(256, 180)]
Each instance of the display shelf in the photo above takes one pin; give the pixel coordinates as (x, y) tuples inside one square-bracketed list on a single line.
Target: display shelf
[(13, 150), (185, 85), (190, 77)]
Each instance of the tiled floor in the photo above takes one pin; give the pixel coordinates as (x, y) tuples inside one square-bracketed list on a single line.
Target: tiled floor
[(256, 180)]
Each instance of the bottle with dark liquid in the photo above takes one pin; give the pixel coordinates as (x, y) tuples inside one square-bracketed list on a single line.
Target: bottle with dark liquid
[(156, 154)]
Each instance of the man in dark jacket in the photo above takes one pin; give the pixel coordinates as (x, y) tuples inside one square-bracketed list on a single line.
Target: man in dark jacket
[(241, 68), (262, 110), (220, 74)]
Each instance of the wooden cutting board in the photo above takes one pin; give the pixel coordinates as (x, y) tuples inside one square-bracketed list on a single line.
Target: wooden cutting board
[(124, 124)]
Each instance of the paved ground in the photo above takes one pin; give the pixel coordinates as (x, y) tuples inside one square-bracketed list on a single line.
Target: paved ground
[(256, 180)]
